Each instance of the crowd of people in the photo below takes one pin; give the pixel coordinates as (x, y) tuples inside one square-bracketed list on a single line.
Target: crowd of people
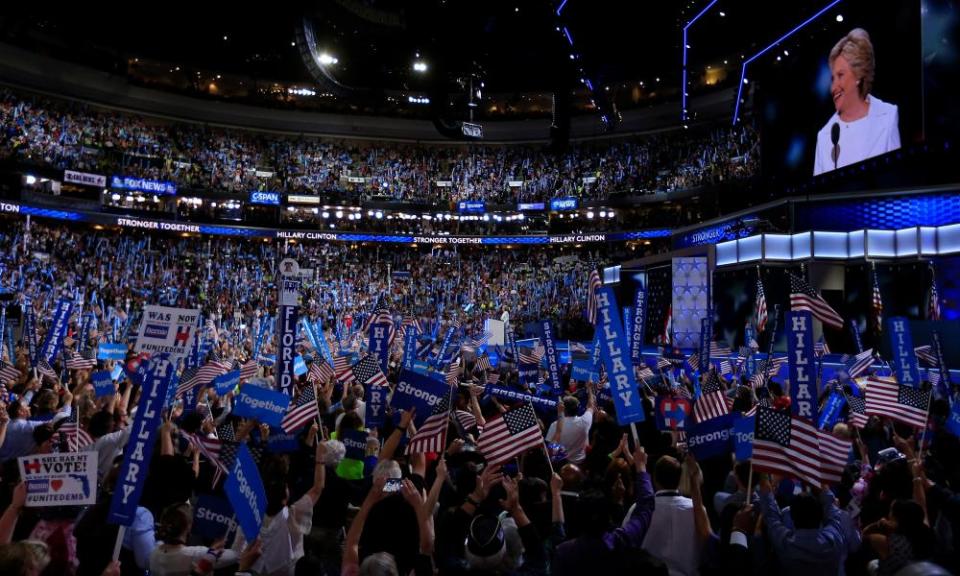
[(591, 496), (68, 135)]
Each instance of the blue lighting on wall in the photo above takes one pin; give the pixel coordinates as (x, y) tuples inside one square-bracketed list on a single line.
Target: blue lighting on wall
[(743, 70), (889, 213), (683, 73), (560, 7)]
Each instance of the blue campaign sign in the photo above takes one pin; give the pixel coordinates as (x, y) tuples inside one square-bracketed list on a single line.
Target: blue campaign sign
[(420, 392), (299, 366), (102, 383), (743, 427), (830, 414), (410, 348), (136, 456), (711, 437), (803, 385), (558, 204), (117, 372), (288, 339), (550, 352), (213, 517), (355, 441), (904, 358), (245, 491), (279, 442), (706, 335), (672, 412), (380, 343), (111, 351), (616, 359), (583, 372), (376, 400), (267, 406), (638, 318), (471, 207), (508, 394), (224, 383), (57, 330)]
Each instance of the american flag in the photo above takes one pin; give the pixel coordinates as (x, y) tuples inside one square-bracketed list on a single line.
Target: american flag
[(368, 371), (210, 446), (877, 302), (767, 369), (380, 315), (925, 354), (663, 363), (47, 371), (319, 371), (432, 435), (510, 435), (478, 341), (193, 377), (341, 367), (725, 367), (8, 372), (85, 361), (667, 336), (483, 363), (530, 355), (644, 372), (693, 360), (933, 305), (466, 419), (711, 402), (593, 285), (790, 445), (226, 459), (717, 349), (901, 403), (303, 411), (856, 365), (820, 348), (761, 312), (743, 353), (493, 377), (412, 321), (858, 411), (805, 298), (77, 437), (248, 369)]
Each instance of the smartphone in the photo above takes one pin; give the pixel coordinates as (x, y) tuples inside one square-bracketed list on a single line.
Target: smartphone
[(392, 485)]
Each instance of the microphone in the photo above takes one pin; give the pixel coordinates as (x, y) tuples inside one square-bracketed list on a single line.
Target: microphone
[(835, 138)]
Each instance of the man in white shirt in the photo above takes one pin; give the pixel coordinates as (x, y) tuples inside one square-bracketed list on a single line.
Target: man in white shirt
[(672, 536), (572, 431)]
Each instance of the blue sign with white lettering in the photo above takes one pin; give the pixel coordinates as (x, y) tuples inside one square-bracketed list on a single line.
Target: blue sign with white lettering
[(711, 437), (102, 383), (136, 457), (550, 352), (299, 366), (213, 517), (616, 358), (375, 404), (245, 491), (558, 204), (743, 427), (380, 343), (410, 348), (639, 320), (355, 441), (279, 442), (158, 187), (110, 351), (53, 342), (287, 332), (803, 384), (420, 392), (471, 207), (267, 406), (224, 383), (265, 198), (904, 358)]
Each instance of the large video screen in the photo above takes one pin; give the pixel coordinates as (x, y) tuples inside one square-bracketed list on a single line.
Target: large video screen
[(846, 88)]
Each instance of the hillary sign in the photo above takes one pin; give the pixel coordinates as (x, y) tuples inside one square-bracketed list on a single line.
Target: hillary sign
[(58, 329), (803, 391), (904, 358), (616, 359)]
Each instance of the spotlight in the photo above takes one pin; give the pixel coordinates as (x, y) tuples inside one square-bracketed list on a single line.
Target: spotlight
[(325, 214), (590, 214), (31, 179), (723, 14), (339, 213), (839, 17), (326, 59), (378, 214), (419, 66)]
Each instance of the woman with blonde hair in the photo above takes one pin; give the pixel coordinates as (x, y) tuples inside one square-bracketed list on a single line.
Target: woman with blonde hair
[(863, 126)]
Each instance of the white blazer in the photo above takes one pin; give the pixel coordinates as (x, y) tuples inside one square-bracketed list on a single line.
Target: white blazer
[(874, 134)]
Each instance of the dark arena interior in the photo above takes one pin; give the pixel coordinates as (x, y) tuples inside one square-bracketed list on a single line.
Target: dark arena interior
[(540, 288)]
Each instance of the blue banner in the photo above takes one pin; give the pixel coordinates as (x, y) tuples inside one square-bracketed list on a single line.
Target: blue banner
[(375, 404), (380, 344), (279, 442), (308, 330), (583, 372), (30, 331), (136, 456), (53, 342), (711, 438), (616, 359), (639, 317), (288, 349), (267, 406), (508, 394), (245, 491), (743, 427), (224, 383), (213, 517), (830, 414), (102, 383), (258, 343), (410, 348), (299, 366), (803, 385), (904, 358), (706, 335), (441, 355), (553, 362), (111, 351), (420, 392), (355, 441), (324, 346)]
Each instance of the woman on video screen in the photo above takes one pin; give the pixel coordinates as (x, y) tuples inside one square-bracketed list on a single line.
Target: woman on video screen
[(863, 125)]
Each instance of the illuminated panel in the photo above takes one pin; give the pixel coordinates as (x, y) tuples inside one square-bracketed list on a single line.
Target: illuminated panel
[(727, 253), (830, 244), (777, 247), (881, 243), (907, 242), (801, 245), (750, 248)]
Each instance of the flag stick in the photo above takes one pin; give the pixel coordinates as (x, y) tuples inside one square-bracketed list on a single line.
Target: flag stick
[(121, 531), (750, 482), (636, 437)]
